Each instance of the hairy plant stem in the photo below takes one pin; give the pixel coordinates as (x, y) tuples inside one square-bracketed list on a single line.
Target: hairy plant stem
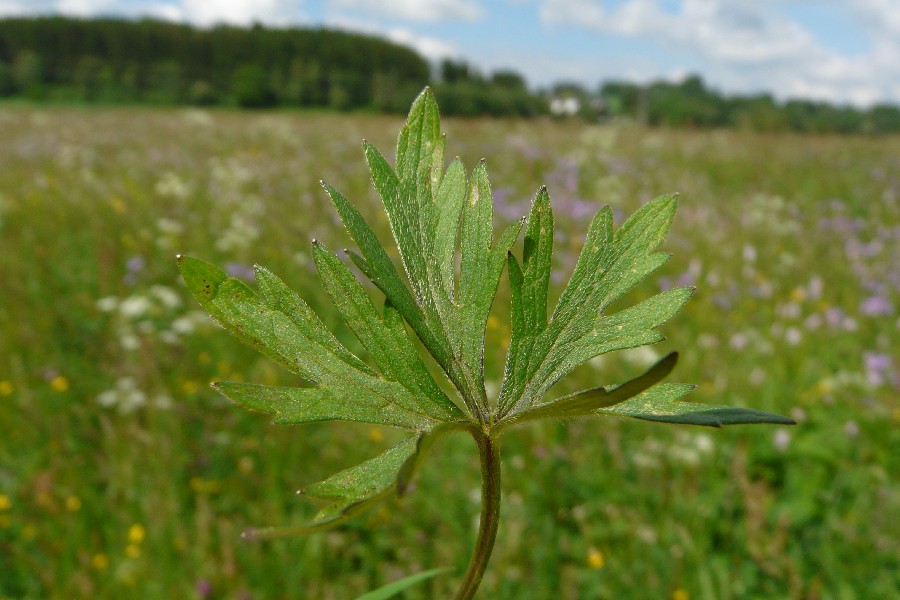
[(489, 453)]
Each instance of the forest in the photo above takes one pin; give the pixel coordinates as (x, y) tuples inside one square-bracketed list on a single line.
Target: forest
[(152, 62)]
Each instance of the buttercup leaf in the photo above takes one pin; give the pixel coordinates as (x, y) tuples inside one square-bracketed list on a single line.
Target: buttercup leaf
[(442, 292)]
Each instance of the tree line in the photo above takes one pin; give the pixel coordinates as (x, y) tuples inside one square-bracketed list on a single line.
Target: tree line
[(149, 61), (158, 62)]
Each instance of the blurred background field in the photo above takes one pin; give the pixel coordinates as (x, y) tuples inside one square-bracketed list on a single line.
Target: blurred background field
[(123, 475)]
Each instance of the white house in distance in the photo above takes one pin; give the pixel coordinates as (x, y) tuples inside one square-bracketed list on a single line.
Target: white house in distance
[(565, 106)]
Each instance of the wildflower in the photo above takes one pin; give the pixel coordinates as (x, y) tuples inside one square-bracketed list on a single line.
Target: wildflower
[(107, 304), (6, 388), (204, 588), (45, 500), (59, 383), (135, 307), (73, 503), (738, 341), (815, 287), (166, 295), (240, 271), (5, 502), (132, 551), (595, 559), (134, 267), (793, 336), (246, 465), (126, 396), (876, 306), (99, 561), (680, 594), (172, 186), (851, 428), (749, 253), (781, 439), (204, 486), (704, 443), (813, 322), (136, 533), (877, 366)]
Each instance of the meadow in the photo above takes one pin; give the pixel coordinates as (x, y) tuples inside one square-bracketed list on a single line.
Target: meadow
[(123, 475)]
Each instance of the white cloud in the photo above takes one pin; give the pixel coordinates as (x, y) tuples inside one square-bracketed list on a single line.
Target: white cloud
[(417, 10), (238, 12), (880, 15), (431, 48), (746, 46), (85, 8), (11, 9), (198, 12)]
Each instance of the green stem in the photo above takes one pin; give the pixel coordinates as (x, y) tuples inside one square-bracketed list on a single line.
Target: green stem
[(489, 454)]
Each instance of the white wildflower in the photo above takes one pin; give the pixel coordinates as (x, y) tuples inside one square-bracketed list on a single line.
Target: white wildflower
[(135, 306), (108, 304), (166, 295)]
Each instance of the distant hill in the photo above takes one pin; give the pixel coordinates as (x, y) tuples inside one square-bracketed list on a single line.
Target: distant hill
[(152, 61), (116, 61)]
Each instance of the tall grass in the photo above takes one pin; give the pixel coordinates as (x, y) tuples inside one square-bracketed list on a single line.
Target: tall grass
[(122, 475)]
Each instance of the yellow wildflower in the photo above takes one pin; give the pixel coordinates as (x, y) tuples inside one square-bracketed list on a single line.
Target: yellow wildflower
[(5, 502), (204, 486), (189, 386), (59, 383), (73, 503), (680, 594), (595, 559), (132, 551), (136, 533), (99, 561), (6, 388), (246, 465)]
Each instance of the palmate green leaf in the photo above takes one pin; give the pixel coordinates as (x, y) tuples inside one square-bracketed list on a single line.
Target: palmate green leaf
[(661, 403), (610, 264), (442, 224)]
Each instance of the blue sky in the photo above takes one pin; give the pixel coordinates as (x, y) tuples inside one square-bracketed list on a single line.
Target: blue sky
[(845, 51)]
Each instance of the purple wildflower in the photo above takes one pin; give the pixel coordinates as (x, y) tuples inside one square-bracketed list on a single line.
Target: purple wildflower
[(204, 588), (240, 271), (876, 306), (877, 366), (133, 266)]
